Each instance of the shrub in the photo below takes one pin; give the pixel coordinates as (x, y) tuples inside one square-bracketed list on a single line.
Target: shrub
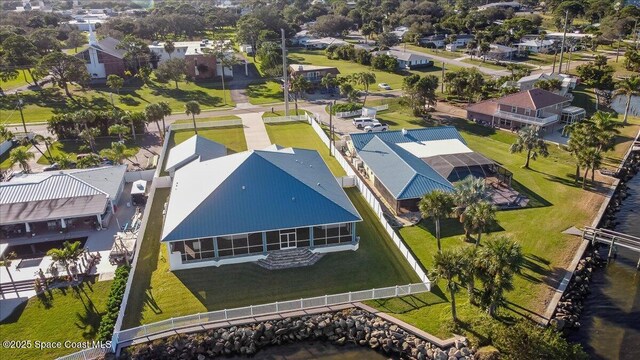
[(108, 322), (346, 107)]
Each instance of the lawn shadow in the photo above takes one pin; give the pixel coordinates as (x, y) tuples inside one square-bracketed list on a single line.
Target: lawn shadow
[(448, 227), (200, 96), (535, 200), (405, 304), (17, 312), (89, 320)]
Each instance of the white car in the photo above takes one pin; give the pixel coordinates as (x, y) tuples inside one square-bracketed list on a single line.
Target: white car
[(384, 86), (376, 127), (362, 122)]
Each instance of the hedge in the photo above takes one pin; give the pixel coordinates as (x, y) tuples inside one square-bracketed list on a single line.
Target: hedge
[(108, 322)]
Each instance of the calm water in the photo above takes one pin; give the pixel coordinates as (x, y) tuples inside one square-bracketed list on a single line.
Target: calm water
[(611, 319), (317, 350)]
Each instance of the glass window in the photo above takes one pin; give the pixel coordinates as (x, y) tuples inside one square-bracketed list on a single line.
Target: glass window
[(302, 234), (224, 253), (255, 239), (333, 230), (86, 57), (190, 250), (273, 237), (206, 244), (240, 241), (224, 243), (177, 246), (319, 232)]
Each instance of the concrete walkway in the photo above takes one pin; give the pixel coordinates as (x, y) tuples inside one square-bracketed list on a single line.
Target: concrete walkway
[(255, 132)]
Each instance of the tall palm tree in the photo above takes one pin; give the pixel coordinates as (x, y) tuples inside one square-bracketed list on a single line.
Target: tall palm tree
[(48, 143), (467, 192), (67, 255), (298, 85), (529, 140), (500, 259), (169, 47), (120, 130), (89, 161), (468, 266), (35, 141), (192, 108), (365, 79), (5, 133), (605, 128), (329, 81), (21, 155), (446, 266), (118, 152), (581, 136), (480, 216), (592, 159), (166, 111), (89, 135), (65, 161), (436, 205), (154, 113)]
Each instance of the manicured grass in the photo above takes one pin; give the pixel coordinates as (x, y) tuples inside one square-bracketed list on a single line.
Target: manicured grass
[(301, 135), (315, 57), (230, 136), (65, 314), (158, 293), (440, 52), (485, 64), (4, 160), (17, 82), (73, 148), (277, 113), (542, 59), (266, 92), (206, 119), (40, 106)]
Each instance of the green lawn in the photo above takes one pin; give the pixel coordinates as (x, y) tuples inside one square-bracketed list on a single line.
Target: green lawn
[(316, 57), (278, 113), (542, 59), (158, 293), (59, 315), (17, 82), (77, 147), (486, 64), (301, 135), (266, 92), (40, 106), (439, 52), (206, 119)]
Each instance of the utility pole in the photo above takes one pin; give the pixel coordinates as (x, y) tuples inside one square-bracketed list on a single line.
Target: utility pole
[(618, 49), (635, 40), (564, 36), (442, 84), (24, 125), (330, 128), (285, 76), (555, 57)]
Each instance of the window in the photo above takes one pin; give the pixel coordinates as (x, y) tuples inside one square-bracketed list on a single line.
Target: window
[(273, 240), (332, 234), (527, 112), (514, 109), (86, 56)]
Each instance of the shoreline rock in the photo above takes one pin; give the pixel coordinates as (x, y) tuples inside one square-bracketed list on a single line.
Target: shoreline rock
[(352, 326)]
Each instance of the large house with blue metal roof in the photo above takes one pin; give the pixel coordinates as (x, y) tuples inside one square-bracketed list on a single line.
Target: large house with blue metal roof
[(404, 165), (243, 207)]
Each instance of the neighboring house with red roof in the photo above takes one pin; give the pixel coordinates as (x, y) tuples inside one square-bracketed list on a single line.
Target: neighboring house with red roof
[(103, 57), (530, 107)]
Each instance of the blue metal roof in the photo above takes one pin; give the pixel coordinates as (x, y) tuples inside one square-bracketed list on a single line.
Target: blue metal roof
[(254, 191), (402, 136), (404, 175)]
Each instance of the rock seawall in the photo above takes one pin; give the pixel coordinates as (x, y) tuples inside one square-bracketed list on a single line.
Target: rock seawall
[(349, 326), (570, 306)]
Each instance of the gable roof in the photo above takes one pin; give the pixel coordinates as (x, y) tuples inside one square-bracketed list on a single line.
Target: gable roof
[(193, 148), (535, 43), (254, 191), (402, 55), (305, 67), (404, 175), (110, 46), (62, 194), (401, 136), (532, 99)]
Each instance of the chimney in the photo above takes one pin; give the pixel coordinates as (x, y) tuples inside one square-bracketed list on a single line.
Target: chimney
[(300, 67)]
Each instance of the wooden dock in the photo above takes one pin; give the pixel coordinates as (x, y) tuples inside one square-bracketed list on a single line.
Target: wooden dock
[(613, 239)]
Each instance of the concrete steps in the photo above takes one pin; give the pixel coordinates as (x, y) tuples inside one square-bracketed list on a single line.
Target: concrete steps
[(284, 259)]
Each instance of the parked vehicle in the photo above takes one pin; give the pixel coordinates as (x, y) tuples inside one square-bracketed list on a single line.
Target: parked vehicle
[(384, 86), (376, 127), (362, 122), (52, 167)]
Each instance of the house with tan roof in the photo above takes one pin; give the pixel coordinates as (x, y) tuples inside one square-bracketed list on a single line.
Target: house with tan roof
[(537, 107)]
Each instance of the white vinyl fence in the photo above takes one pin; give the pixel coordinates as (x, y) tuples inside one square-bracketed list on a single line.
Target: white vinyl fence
[(87, 354), (267, 309), (281, 119), (374, 203), (206, 124), (348, 114)]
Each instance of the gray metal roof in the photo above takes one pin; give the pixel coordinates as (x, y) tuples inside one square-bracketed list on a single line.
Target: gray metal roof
[(193, 148), (404, 56), (456, 167), (404, 175), (254, 191), (401, 136), (110, 46), (106, 178)]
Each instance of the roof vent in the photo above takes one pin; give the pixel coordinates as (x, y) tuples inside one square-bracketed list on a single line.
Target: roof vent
[(404, 132), (243, 187), (318, 184), (293, 198), (300, 68)]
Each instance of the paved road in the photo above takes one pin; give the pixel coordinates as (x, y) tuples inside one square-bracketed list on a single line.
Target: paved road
[(456, 62)]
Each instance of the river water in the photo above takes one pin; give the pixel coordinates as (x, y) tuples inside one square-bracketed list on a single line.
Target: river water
[(611, 317)]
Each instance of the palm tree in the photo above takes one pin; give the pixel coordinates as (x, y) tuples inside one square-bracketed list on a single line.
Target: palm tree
[(166, 111), (67, 255), (580, 137), (120, 130), (468, 266), (500, 259), (65, 160), (89, 135), (466, 192), (529, 140), (446, 266), (21, 155), (35, 140), (169, 47), (193, 108), (118, 152), (436, 205), (604, 129), (480, 216), (154, 113), (89, 161), (298, 85), (5, 133), (48, 143), (365, 79), (329, 81), (592, 159)]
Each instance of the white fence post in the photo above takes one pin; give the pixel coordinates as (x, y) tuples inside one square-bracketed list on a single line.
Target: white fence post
[(397, 290), (277, 308), (251, 309)]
